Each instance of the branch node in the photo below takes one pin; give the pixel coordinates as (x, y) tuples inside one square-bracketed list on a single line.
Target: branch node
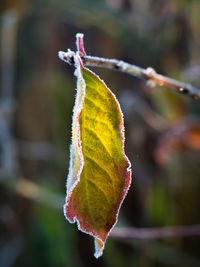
[(150, 72)]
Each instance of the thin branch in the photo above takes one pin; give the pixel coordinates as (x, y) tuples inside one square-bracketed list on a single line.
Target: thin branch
[(160, 232), (149, 74)]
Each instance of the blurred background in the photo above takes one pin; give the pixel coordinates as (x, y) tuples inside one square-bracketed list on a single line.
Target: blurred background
[(37, 93)]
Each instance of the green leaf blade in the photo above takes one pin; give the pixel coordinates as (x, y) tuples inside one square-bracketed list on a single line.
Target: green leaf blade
[(100, 170)]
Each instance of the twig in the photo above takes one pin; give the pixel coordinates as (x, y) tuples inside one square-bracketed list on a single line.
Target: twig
[(152, 233), (149, 75)]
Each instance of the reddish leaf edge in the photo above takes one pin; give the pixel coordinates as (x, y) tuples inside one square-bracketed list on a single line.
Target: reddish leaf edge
[(98, 247)]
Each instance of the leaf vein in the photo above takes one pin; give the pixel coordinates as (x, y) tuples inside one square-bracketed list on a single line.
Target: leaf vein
[(95, 120), (106, 198), (99, 166), (93, 88), (93, 103), (93, 132)]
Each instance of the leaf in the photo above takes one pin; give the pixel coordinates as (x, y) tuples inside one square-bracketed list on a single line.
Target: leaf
[(99, 174)]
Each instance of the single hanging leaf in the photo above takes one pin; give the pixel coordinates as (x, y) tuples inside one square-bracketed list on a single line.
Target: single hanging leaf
[(99, 174)]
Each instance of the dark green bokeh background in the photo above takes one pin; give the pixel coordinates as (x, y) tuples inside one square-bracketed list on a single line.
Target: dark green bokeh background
[(162, 34)]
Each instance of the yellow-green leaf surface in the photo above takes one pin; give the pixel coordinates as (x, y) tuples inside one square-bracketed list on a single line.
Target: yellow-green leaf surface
[(99, 174)]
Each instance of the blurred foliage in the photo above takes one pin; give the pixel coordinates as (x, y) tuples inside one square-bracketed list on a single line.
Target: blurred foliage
[(161, 34)]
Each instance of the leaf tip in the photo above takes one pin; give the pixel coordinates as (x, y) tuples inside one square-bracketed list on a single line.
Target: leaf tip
[(99, 246)]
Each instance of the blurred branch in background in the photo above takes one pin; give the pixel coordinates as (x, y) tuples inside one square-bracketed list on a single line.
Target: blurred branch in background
[(185, 133), (34, 192), (131, 101), (8, 159), (8, 45), (159, 232), (54, 200)]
